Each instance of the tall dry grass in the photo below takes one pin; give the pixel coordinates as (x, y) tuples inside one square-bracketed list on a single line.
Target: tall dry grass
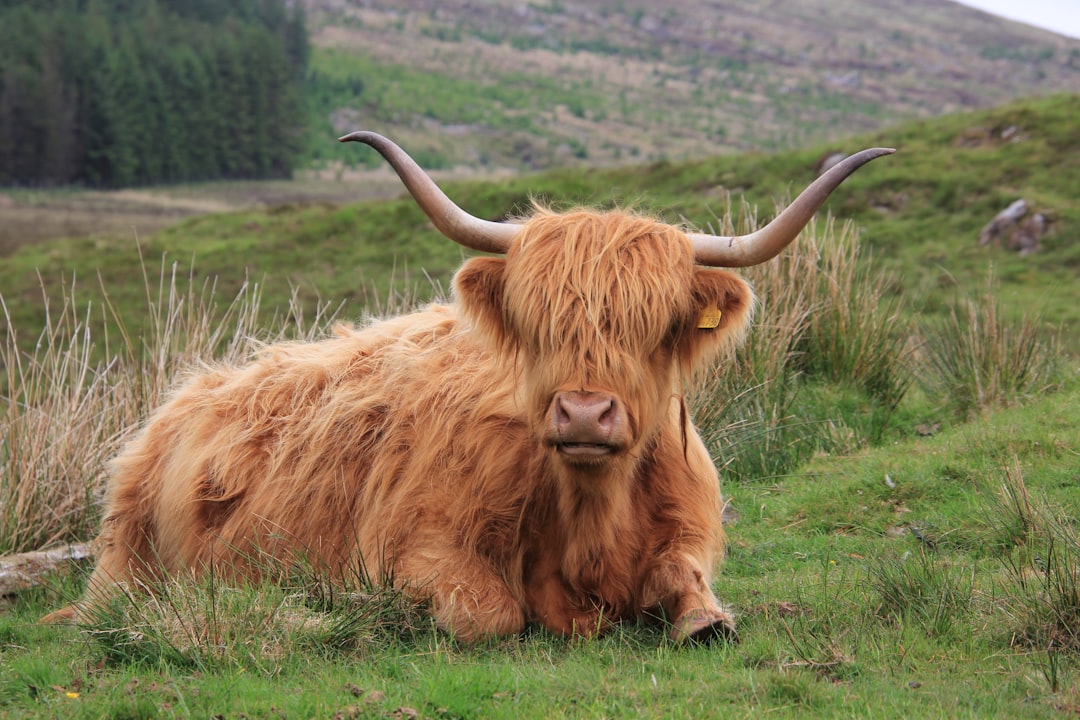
[(977, 358), (64, 411), (823, 315), (55, 417), (1039, 599)]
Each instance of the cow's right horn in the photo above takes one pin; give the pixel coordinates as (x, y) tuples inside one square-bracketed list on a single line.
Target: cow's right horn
[(448, 218), (766, 243)]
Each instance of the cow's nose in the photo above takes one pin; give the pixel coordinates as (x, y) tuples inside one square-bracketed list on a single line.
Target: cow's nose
[(585, 417)]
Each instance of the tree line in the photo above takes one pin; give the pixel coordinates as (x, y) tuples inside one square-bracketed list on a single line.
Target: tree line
[(126, 92)]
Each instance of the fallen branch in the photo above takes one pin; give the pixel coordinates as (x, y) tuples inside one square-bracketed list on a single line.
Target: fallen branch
[(27, 570)]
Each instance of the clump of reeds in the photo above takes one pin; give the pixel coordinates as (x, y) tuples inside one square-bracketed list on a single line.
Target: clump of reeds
[(823, 315), (977, 358), (69, 398)]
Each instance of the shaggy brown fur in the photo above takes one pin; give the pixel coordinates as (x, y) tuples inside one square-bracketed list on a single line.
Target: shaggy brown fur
[(420, 445)]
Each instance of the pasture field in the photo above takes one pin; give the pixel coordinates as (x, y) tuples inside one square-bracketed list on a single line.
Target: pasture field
[(898, 439), (926, 578)]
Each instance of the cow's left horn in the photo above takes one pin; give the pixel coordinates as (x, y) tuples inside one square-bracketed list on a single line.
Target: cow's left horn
[(766, 243), (448, 218)]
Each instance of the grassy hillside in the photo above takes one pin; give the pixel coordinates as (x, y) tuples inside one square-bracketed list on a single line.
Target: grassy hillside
[(920, 212), (893, 557), (551, 84)]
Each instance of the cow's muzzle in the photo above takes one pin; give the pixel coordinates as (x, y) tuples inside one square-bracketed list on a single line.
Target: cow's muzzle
[(585, 426)]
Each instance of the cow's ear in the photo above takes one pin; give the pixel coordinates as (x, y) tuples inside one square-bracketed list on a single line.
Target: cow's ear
[(479, 286), (722, 307)]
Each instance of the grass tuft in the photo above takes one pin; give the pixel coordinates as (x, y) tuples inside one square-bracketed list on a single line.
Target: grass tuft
[(1042, 587), (64, 412), (924, 589), (976, 358), (208, 624)]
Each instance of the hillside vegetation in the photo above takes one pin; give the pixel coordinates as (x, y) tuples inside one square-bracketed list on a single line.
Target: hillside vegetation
[(919, 213), (550, 83)]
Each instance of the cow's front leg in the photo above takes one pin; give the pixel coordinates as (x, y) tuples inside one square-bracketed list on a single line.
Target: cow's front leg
[(679, 586), (467, 597), (552, 604)]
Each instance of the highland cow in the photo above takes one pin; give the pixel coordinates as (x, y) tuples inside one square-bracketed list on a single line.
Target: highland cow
[(521, 455)]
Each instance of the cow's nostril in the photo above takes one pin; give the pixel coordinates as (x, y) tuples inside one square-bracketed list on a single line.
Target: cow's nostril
[(607, 414), (585, 417), (562, 415)]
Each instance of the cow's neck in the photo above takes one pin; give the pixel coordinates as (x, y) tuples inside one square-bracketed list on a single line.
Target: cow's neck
[(595, 515)]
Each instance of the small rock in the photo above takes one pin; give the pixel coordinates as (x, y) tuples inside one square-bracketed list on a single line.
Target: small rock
[(927, 429), (1003, 222), (1016, 228)]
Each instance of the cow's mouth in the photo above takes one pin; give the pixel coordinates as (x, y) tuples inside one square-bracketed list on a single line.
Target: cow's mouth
[(586, 450), (586, 427)]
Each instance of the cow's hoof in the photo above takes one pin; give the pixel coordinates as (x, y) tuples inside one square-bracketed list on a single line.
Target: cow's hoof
[(700, 627), (63, 616)]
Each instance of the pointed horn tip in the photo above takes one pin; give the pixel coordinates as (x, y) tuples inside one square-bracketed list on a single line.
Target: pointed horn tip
[(853, 162), (877, 152), (363, 136)]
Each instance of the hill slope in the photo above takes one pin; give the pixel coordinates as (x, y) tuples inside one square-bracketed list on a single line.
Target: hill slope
[(548, 83), (920, 210)]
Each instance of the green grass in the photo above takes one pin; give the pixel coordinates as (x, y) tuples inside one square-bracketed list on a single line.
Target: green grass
[(853, 597), (876, 568)]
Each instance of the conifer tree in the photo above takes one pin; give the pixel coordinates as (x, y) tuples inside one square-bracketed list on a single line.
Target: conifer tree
[(113, 92)]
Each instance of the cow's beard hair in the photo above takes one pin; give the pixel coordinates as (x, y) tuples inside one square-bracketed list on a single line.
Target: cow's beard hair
[(596, 505)]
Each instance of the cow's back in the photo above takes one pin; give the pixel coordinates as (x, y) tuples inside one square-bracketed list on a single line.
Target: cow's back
[(334, 451)]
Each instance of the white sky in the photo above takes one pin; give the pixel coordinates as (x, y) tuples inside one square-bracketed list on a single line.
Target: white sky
[(1061, 16)]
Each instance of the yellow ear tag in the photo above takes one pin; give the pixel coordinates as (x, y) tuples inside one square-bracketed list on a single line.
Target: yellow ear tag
[(710, 318)]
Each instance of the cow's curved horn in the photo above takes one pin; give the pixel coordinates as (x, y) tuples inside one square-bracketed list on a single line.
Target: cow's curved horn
[(448, 218), (766, 243)]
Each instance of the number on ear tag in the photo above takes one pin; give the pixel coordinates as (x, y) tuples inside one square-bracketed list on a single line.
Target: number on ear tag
[(710, 318)]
